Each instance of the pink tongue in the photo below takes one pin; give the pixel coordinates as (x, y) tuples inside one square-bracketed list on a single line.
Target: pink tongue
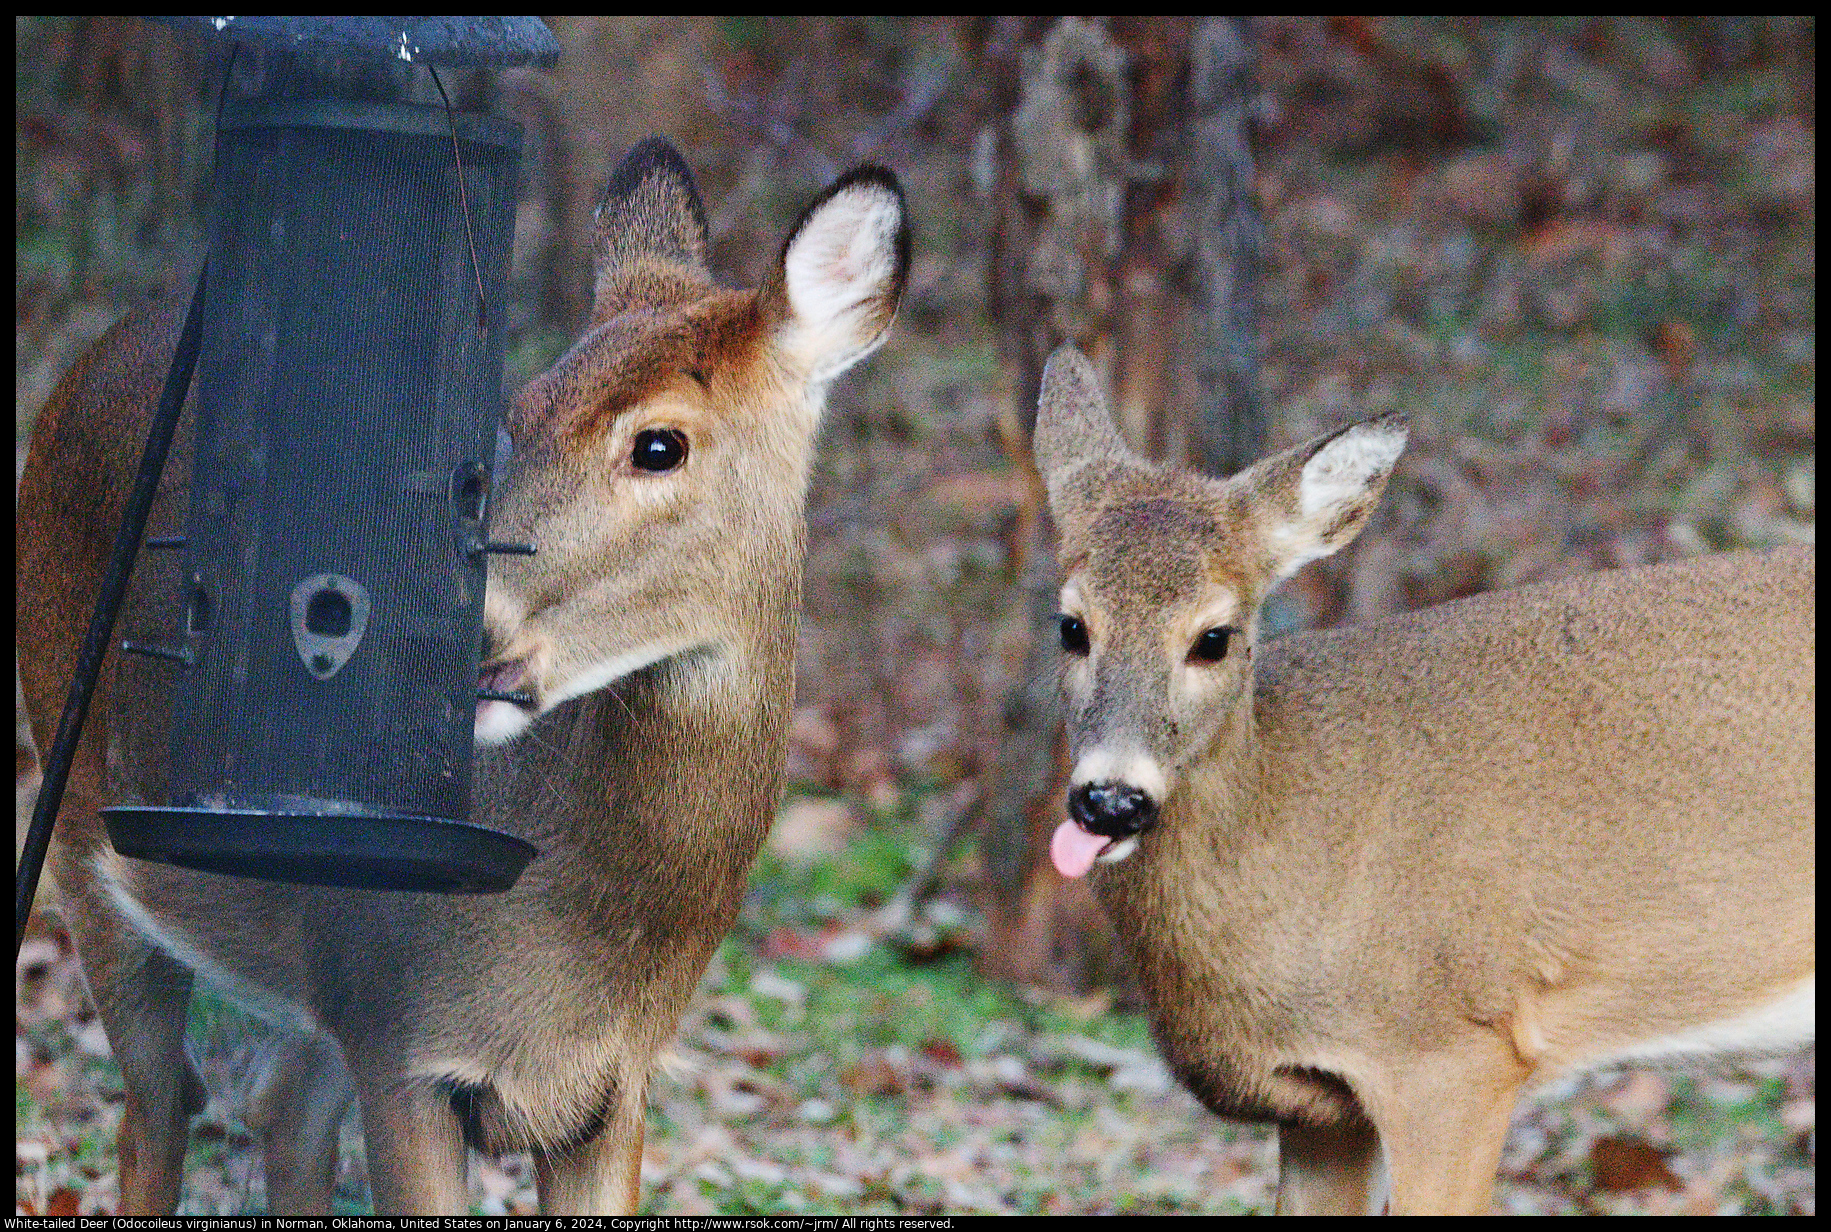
[(1074, 849)]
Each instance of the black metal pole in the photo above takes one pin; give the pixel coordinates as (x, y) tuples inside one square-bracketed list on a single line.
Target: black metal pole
[(107, 609)]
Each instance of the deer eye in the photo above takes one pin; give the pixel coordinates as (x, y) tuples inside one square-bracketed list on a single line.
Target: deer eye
[(1211, 647), (659, 449), (1074, 635)]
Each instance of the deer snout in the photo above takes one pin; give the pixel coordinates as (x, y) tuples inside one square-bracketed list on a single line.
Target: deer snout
[(510, 676), (1112, 809)]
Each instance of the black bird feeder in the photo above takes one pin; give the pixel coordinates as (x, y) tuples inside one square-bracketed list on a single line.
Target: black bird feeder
[(349, 400)]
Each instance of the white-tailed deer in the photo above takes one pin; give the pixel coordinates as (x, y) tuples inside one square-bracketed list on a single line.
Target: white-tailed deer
[(661, 466), (1376, 880)]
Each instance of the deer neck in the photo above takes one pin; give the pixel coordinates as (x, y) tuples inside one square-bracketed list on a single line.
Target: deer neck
[(650, 798), (1216, 800), (1182, 883)]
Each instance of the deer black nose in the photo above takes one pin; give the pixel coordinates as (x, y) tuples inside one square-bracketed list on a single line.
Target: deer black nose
[(1112, 810)]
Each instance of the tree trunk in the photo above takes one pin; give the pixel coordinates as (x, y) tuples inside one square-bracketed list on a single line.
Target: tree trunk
[(1228, 240), (1123, 225)]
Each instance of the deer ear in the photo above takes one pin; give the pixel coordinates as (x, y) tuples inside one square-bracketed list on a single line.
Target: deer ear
[(840, 278), (651, 214), (1312, 500), (1073, 428)]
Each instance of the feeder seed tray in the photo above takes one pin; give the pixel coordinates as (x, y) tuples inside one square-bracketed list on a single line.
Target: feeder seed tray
[(367, 851)]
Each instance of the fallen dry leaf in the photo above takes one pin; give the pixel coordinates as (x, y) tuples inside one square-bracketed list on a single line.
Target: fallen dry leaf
[(873, 1075), (1618, 1164)]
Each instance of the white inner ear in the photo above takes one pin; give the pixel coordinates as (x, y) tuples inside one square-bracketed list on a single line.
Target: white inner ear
[(1335, 477), (1340, 471), (837, 271)]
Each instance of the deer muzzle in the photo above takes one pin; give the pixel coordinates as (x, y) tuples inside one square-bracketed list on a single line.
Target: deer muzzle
[(1111, 810), (1105, 819)]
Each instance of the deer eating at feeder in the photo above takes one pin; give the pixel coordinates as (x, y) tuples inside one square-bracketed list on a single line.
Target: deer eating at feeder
[(661, 465)]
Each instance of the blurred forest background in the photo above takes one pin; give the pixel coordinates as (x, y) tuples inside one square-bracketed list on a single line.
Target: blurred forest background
[(1579, 253)]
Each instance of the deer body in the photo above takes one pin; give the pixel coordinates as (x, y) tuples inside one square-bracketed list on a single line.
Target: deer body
[(1376, 880), (661, 467)]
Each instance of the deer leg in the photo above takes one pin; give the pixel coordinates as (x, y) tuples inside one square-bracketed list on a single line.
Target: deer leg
[(1443, 1124), (144, 998), (297, 1110), (1329, 1170), (602, 1176), (415, 1146)]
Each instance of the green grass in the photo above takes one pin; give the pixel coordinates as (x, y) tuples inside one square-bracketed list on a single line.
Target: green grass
[(881, 1000), (1697, 1121)]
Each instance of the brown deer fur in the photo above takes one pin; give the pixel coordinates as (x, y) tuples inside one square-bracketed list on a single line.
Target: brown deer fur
[(1378, 879)]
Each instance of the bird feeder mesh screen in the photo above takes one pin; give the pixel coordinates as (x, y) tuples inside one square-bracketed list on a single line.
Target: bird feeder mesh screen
[(349, 394)]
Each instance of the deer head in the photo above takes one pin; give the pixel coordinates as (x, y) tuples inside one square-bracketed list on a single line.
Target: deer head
[(1164, 574), (661, 464)]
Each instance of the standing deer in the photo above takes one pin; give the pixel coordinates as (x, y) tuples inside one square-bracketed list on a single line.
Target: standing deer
[(661, 465), (1376, 880)]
